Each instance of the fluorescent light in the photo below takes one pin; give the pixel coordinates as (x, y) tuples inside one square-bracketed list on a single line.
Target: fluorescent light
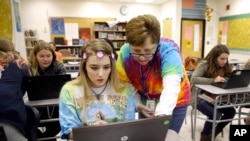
[(144, 1)]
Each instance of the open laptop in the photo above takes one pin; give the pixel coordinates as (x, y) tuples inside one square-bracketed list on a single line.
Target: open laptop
[(148, 129), (238, 79), (44, 87), (2, 134)]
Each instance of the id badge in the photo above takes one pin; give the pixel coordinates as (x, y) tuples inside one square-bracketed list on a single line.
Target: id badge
[(151, 104)]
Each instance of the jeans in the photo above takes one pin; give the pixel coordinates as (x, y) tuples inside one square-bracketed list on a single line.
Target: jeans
[(178, 117), (207, 109)]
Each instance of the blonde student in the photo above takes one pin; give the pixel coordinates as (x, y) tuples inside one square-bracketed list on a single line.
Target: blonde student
[(97, 96)]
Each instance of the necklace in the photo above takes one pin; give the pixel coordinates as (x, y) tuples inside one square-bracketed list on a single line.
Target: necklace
[(97, 95)]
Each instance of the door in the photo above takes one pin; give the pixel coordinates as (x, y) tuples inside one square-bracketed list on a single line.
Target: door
[(192, 37), (167, 28)]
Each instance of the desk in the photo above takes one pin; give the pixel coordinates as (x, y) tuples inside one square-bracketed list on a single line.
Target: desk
[(224, 98), (49, 103), (45, 103), (236, 64)]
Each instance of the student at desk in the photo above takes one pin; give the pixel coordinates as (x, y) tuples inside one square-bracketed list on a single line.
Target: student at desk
[(43, 62), (213, 69), (12, 109), (97, 96)]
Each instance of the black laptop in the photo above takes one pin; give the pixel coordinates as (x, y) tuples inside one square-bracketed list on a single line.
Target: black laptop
[(148, 129), (44, 87), (238, 79)]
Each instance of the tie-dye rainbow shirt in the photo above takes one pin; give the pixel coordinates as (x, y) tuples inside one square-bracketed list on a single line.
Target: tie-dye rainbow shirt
[(167, 60)]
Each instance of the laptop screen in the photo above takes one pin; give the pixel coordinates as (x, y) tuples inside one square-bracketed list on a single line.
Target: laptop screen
[(149, 129), (45, 87)]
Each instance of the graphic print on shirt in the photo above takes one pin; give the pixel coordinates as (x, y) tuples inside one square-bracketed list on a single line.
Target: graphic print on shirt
[(110, 108)]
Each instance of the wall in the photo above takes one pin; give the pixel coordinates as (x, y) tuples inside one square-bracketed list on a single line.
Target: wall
[(35, 13), (236, 7), (5, 25)]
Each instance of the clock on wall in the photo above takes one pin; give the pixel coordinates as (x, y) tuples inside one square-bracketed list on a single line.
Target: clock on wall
[(124, 10)]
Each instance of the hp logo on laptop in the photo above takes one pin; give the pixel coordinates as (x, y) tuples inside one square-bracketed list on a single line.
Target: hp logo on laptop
[(124, 138)]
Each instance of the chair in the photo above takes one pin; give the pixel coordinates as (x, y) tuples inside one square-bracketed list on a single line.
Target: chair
[(33, 120)]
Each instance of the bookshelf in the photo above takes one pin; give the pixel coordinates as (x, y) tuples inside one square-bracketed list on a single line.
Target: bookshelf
[(30, 37), (75, 50), (116, 33)]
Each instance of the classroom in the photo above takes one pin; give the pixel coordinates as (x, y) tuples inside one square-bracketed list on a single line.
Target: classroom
[(196, 26)]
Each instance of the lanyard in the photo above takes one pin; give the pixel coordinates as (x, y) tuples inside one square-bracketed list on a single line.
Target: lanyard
[(144, 79)]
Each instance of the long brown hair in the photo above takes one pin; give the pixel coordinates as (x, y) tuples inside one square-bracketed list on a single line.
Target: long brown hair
[(213, 66)]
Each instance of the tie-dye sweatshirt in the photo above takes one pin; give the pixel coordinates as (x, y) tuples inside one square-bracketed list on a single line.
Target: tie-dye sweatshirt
[(167, 61), (75, 110)]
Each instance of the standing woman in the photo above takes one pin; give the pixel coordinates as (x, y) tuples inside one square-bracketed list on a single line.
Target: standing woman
[(43, 62), (214, 69), (154, 66), (97, 96), (12, 109)]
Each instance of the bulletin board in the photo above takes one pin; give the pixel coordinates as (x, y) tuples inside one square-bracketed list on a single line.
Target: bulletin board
[(6, 24), (84, 24), (234, 31)]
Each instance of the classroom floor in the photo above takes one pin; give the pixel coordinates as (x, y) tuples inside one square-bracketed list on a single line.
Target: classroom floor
[(185, 132)]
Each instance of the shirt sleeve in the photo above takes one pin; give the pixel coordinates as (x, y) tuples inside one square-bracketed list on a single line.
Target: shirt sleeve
[(123, 53), (169, 95), (68, 115), (198, 76), (61, 68)]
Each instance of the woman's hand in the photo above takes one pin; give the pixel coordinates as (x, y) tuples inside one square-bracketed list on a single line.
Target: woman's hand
[(220, 79), (100, 122), (147, 112)]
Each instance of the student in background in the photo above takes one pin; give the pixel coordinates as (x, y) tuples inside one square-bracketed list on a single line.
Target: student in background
[(154, 66), (112, 45), (12, 109), (213, 69), (97, 96), (59, 56), (43, 62)]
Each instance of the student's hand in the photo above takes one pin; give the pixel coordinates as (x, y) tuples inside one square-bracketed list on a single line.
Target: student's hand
[(219, 79), (100, 122), (147, 112)]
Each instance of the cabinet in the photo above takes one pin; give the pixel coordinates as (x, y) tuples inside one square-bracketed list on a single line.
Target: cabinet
[(116, 33), (30, 37)]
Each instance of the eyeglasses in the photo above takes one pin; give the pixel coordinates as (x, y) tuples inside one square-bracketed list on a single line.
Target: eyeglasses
[(144, 55)]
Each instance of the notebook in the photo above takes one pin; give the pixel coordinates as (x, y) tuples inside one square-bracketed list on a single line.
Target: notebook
[(238, 79), (44, 87), (2, 134), (148, 129)]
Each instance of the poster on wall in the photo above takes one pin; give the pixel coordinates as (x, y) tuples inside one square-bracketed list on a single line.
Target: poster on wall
[(57, 25), (84, 34), (17, 16)]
